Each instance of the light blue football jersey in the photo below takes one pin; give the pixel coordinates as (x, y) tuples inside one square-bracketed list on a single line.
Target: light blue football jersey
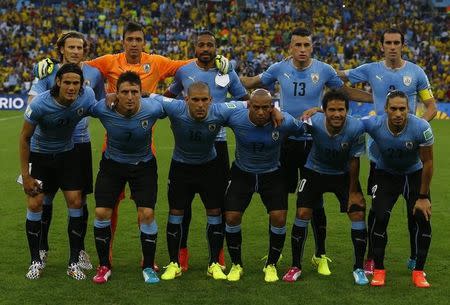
[(410, 79), (129, 138), (258, 147), (191, 72), (92, 78), (194, 140), (331, 154), (399, 154), (56, 123), (301, 89)]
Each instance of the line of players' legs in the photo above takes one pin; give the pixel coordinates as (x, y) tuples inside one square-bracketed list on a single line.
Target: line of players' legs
[(72, 172)]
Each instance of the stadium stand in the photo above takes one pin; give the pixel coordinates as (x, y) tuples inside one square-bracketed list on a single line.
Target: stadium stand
[(252, 34)]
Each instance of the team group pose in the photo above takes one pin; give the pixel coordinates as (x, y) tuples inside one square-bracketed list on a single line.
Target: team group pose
[(310, 147)]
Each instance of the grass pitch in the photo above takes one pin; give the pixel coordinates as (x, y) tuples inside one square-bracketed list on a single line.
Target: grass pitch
[(126, 285)]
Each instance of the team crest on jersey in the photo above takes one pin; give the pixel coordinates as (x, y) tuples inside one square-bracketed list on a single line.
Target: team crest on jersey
[(212, 127), (144, 124), (87, 82), (315, 77), (409, 145), (344, 145), (275, 135), (146, 68), (80, 111), (407, 80)]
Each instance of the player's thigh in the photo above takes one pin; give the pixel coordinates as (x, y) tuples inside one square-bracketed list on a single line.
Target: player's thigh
[(110, 181), (143, 182), (411, 193), (223, 159), (385, 192), (85, 153), (310, 189), (240, 190), (271, 190), (212, 194), (71, 176), (44, 167), (181, 187)]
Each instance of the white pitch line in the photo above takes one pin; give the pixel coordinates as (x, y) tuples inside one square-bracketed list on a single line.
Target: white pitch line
[(11, 118)]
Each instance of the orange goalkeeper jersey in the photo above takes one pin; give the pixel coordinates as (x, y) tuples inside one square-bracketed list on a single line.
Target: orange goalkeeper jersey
[(151, 69)]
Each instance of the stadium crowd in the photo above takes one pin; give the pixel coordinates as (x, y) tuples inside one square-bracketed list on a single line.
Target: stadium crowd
[(252, 35)]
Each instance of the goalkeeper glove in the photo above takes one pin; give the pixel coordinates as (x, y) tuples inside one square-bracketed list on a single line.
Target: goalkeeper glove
[(222, 64), (43, 68)]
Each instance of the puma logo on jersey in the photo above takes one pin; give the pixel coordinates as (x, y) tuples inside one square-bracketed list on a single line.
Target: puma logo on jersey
[(379, 77)]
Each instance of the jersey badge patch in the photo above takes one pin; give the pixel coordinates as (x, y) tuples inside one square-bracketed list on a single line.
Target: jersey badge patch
[(146, 68), (407, 80), (275, 135), (315, 77), (409, 145), (230, 105), (212, 127), (28, 112), (80, 111), (144, 124), (345, 145), (428, 134)]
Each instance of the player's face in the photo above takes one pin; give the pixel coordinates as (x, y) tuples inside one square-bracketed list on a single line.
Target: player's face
[(133, 43), (392, 46), (260, 109), (69, 87), (397, 111), (198, 102), (73, 51), (205, 49), (129, 98), (301, 48), (335, 113)]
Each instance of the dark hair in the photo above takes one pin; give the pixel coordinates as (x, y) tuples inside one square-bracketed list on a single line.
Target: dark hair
[(205, 32), (71, 34), (396, 93), (334, 95), (198, 85), (133, 27), (67, 68), (301, 32), (130, 77), (392, 31)]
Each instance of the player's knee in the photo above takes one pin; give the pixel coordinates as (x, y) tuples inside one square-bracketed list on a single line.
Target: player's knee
[(356, 212), (34, 204), (233, 218), (74, 200), (304, 213), (146, 215), (177, 212), (213, 212), (356, 216), (103, 213), (278, 218)]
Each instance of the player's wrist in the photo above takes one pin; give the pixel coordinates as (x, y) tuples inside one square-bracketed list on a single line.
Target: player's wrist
[(424, 196)]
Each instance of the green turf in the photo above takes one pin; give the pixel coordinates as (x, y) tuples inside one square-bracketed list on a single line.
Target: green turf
[(194, 287)]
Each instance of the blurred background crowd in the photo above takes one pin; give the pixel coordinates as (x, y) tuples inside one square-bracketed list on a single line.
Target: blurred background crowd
[(252, 34)]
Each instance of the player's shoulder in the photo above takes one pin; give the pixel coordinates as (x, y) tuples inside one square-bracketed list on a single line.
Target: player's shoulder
[(43, 97), (355, 124), (147, 58), (419, 122), (90, 70)]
